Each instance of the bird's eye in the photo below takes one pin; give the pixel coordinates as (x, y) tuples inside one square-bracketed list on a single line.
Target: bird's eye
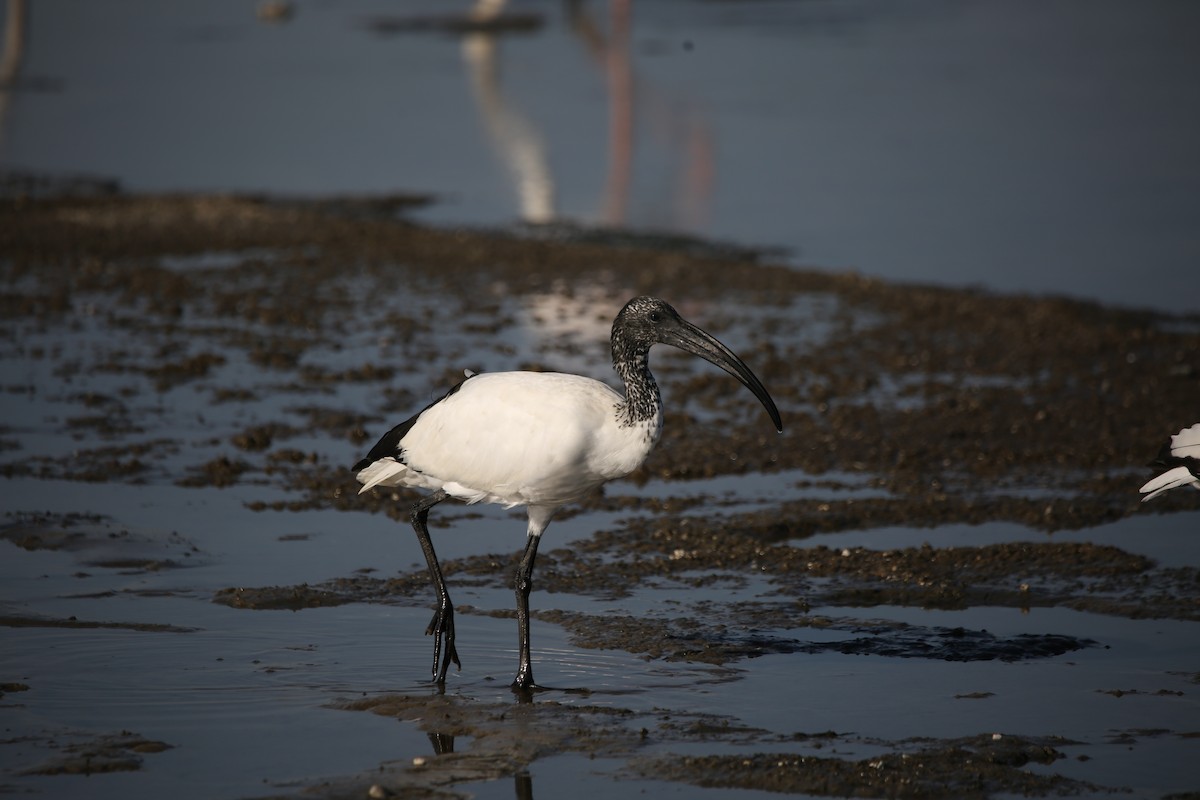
[(655, 316)]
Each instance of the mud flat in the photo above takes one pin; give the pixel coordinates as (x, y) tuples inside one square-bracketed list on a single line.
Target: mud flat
[(937, 582)]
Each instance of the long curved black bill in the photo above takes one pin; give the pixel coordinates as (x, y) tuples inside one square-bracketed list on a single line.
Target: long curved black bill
[(687, 336)]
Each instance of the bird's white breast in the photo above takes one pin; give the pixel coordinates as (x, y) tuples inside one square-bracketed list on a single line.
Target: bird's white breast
[(524, 438)]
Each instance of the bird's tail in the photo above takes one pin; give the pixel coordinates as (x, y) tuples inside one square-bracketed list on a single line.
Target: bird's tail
[(1172, 478), (384, 472)]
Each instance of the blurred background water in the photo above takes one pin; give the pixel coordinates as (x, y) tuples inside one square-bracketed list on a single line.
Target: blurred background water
[(1019, 146)]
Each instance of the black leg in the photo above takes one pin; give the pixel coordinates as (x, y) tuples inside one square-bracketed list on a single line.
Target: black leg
[(524, 785), (524, 584), (441, 627)]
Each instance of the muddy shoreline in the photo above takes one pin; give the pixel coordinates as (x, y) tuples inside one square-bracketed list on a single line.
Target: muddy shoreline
[(253, 317)]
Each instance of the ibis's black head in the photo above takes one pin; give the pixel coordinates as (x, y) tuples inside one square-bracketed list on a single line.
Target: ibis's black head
[(645, 321)]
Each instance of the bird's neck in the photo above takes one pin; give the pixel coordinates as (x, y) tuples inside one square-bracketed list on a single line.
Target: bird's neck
[(643, 404)]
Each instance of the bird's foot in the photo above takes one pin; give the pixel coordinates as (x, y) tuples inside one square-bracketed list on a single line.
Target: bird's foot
[(441, 627), (523, 684)]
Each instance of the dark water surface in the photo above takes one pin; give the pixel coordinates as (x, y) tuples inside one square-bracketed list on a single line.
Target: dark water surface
[(943, 556), (1022, 146)]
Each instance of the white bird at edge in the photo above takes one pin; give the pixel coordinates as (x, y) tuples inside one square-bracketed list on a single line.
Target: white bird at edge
[(541, 440), (1182, 455)]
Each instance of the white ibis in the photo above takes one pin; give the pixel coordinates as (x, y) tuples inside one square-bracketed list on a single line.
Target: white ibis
[(537, 439), (1182, 455)]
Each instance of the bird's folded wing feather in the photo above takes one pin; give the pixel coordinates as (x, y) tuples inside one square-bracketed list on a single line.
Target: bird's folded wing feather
[(1186, 443), (379, 472)]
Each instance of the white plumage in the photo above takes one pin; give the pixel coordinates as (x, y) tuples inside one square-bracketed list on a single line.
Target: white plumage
[(541, 440), (1182, 455), (518, 438)]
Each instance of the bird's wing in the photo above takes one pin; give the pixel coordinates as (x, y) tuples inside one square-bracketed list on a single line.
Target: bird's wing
[(512, 437), (1171, 479), (1186, 443), (388, 446)]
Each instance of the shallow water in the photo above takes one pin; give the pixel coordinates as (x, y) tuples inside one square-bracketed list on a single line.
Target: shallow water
[(176, 414), (260, 702), (243, 698), (1021, 146)]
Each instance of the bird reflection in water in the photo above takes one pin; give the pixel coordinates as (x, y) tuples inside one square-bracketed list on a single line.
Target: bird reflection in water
[(676, 130)]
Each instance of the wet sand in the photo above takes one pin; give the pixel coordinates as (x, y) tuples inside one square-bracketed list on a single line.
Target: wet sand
[(217, 344)]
